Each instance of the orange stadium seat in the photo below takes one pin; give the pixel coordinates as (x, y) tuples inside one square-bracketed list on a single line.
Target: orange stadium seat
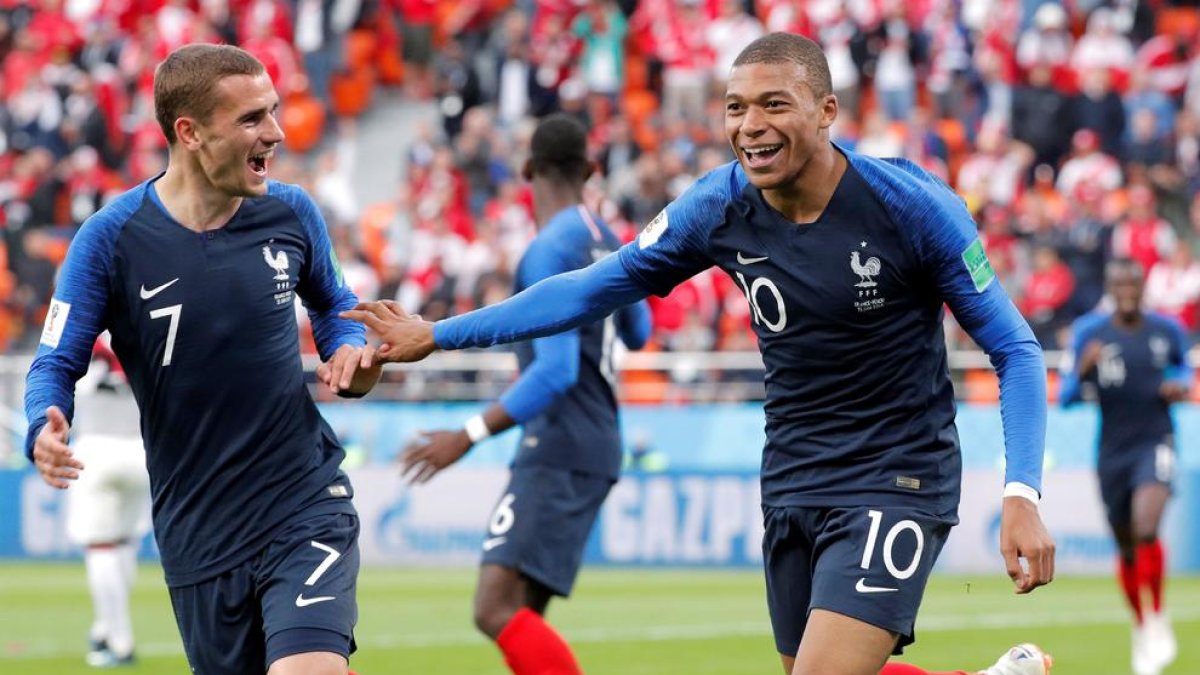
[(981, 386), (303, 120), (360, 48), (351, 91), (1175, 20)]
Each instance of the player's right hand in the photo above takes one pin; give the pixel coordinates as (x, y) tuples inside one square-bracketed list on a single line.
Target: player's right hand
[(51, 455), (431, 452), (1090, 356), (404, 337)]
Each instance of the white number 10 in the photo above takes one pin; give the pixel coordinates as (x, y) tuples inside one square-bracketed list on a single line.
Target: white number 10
[(889, 541), (173, 311)]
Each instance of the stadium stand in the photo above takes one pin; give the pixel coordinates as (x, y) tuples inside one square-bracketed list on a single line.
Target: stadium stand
[(1072, 136)]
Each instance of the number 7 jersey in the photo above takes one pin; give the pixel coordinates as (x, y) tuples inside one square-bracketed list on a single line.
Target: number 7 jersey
[(204, 325)]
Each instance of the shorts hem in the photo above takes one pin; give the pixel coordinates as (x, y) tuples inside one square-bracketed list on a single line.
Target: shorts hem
[(292, 641)]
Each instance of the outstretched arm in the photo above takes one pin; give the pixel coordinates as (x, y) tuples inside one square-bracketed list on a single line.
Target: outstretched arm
[(554, 305)]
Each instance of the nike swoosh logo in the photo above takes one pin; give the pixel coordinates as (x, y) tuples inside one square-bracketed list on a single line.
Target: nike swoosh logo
[(147, 294), (743, 260), (493, 543), (302, 601), (862, 587)]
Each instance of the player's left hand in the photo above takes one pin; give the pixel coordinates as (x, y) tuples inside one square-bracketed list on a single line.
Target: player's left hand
[(405, 337), (431, 452), (1022, 535), (352, 371)]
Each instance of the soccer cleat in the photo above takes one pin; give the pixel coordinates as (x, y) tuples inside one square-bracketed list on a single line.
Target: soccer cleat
[(1141, 654), (1024, 659), (1160, 639), (106, 659)]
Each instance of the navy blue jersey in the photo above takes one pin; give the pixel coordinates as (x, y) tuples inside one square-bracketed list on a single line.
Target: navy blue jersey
[(1133, 366), (578, 430), (848, 313), (204, 325)]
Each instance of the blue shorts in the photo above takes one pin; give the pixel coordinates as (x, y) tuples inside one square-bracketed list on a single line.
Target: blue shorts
[(296, 595), (1121, 473), (541, 524), (869, 563)]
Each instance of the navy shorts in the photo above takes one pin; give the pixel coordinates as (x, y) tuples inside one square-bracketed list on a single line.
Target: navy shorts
[(1124, 472), (296, 595), (869, 563), (541, 524)]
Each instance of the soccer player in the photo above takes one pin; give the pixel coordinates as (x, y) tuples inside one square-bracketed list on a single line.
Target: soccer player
[(193, 272), (570, 452), (1137, 363), (108, 511), (846, 262)]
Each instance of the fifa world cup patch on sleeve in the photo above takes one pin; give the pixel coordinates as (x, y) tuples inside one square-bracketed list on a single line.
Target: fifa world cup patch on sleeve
[(337, 267), (56, 321), (654, 230), (978, 266)]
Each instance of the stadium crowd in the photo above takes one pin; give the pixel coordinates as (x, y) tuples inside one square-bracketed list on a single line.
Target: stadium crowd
[(1072, 131)]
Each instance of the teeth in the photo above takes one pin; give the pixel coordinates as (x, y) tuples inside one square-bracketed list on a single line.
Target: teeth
[(762, 150)]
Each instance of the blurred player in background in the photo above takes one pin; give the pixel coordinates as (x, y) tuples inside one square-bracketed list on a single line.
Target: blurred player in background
[(1137, 363), (193, 273), (846, 262), (570, 452), (108, 511)]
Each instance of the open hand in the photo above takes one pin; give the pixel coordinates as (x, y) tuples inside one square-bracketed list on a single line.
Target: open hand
[(1022, 535), (51, 455), (353, 370), (404, 337), (431, 452)]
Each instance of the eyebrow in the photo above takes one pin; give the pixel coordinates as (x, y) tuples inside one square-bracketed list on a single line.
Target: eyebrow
[(258, 112), (777, 93)]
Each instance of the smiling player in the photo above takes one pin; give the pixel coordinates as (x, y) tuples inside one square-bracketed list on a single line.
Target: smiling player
[(846, 262), (193, 273)]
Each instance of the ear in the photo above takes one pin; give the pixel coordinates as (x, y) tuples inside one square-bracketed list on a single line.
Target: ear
[(527, 170), (829, 110), (187, 132)]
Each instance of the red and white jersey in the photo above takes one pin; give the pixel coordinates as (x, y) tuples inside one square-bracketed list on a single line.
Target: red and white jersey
[(1147, 241), (1174, 291), (1095, 167)]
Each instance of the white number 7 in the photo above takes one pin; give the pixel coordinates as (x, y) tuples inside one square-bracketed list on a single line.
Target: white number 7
[(173, 311), (330, 558)]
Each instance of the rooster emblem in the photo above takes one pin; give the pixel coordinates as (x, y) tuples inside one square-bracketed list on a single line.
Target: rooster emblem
[(864, 272), (279, 263)]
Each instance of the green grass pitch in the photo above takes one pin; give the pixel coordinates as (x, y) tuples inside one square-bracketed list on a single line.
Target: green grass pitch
[(620, 622)]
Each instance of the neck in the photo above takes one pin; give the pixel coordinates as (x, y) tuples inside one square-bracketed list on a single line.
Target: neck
[(1130, 320), (192, 200), (550, 198), (806, 197)]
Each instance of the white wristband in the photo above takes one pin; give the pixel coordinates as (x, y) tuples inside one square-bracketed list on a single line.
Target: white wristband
[(477, 429), (1015, 489)]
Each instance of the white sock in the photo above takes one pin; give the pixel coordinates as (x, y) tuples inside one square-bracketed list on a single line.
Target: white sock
[(110, 597)]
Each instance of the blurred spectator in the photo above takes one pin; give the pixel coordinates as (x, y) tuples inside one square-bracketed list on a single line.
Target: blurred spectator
[(895, 70), (1088, 163), (1145, 146), (456, 86), (602, 28), (1047, 42), (1088, 246), (995, 172), (1142, 235), (731, 31), (1173, 287), (1141, 96), (417, 23), (1102, 46), (1046, 294), (1042, 116), (1099, 108), (687, 60)]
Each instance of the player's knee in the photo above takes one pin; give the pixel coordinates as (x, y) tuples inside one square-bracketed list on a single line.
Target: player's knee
[(491, 616)]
